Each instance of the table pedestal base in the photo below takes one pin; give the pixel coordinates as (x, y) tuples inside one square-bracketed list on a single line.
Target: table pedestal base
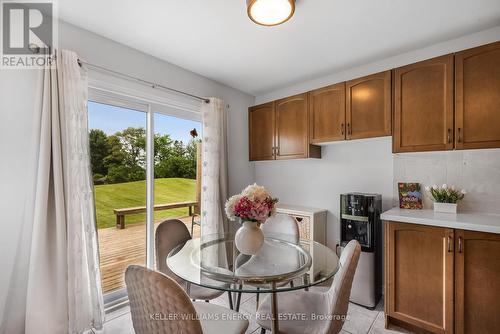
[(274, 311)]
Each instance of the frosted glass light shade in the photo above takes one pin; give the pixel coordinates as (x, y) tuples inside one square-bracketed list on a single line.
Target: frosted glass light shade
[(270, 12)]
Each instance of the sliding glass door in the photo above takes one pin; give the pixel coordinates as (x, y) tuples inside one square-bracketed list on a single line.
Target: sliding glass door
[(144, 160), (118, 161), (176, 143)]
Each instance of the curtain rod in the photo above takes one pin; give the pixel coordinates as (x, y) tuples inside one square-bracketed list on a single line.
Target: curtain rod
[(148, 83)]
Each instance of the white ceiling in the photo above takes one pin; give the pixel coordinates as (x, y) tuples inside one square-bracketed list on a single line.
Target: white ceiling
[(216, 39)]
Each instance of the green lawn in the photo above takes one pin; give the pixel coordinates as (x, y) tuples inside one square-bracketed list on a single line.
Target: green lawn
[(132, 194)]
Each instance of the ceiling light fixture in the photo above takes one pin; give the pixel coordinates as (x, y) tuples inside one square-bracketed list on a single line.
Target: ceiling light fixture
[(270, 12)]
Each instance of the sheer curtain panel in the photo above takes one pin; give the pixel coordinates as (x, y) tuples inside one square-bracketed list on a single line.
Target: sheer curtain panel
[(214, 167), (56, 286)]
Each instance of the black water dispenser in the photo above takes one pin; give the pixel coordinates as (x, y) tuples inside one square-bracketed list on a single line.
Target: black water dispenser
[(360, 220)]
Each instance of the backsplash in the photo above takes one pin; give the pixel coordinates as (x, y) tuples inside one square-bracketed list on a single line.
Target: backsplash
[(477, 171)]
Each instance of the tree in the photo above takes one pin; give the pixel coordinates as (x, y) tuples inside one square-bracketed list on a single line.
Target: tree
[(192, 155), (122, 157), (163, 147), (133, 142), (175, 167), (192, 149), (178, 148), (116, 154), (118, 173), (99, 150)]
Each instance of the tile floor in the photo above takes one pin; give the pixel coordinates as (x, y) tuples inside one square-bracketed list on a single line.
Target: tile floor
[(361, 320)]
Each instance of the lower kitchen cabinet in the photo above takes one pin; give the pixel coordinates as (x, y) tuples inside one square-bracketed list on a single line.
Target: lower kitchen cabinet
[(419, 276), (477, 282), (441, 280)]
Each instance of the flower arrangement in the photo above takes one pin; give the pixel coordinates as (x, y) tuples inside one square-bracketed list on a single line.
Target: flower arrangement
[(445, 194), (253, 204)]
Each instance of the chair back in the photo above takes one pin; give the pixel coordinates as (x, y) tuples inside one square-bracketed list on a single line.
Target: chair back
[(282, 224), (340, 291), (158, 303), (169, 234)]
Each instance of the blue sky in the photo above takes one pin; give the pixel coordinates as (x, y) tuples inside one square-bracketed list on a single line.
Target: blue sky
[(111, 119)]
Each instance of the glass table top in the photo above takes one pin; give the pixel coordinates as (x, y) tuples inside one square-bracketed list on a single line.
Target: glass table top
[(213, 261)]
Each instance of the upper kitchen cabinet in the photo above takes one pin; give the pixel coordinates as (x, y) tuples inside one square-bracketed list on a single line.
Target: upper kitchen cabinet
[(327, 113), (292, 130), (261, 120), (423, 106), (368, 106), (477, 97)]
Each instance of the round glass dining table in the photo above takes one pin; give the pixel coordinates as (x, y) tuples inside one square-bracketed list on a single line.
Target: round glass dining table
[(282, 264)]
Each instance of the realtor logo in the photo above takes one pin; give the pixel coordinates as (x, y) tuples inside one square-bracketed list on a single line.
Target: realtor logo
[(28, 34)]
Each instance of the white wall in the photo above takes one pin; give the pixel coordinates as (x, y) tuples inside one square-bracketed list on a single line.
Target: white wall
[(358, 165), (369, 166), (18, 124), (18, 134)]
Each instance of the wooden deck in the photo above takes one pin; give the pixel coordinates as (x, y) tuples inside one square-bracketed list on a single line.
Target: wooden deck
[(121, 248)]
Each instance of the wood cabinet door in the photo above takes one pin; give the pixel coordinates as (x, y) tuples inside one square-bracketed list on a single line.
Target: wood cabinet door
[(327, 113), (368, 106), (477, 282), (419, 276), (292, 135), (423, 106), (261, 129), (477, 97)]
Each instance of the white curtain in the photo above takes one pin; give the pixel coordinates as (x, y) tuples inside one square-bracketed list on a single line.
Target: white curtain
[(214, 168), (55, 287)]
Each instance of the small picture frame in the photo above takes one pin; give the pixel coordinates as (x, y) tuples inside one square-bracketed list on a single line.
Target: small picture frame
[(410, 196)]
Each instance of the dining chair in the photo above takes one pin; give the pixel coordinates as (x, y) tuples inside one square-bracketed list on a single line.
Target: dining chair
[(159, 305), (169, 234), (287, 229), (284, 225), (325, 310)]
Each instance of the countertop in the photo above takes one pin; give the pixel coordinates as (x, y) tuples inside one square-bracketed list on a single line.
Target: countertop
[(466, 221)]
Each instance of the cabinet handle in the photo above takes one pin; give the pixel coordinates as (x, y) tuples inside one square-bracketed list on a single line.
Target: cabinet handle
[(460, 247), (277, 150), (342, 128), (349, 132), (459, 135), (449, 244), (449, 136)]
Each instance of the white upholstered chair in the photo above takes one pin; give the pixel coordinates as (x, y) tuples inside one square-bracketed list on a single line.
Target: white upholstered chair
[(284, 227), (330, 305), (159, 305), (169, 234)]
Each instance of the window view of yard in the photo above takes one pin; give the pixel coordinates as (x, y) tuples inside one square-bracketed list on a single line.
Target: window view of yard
[(118, 160), (131, 194)]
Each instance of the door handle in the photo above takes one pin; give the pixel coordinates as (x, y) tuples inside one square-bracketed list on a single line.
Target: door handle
[(349, 131), (460, 246), (449, 136), (342, 126), (459, 135), (449, 244)]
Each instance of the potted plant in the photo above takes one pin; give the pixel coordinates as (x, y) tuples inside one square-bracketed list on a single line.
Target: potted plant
[(445, 198), (253, 207)]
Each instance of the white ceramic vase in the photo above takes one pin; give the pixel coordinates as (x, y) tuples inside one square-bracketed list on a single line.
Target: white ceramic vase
[(445, 207), (249, 238)]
